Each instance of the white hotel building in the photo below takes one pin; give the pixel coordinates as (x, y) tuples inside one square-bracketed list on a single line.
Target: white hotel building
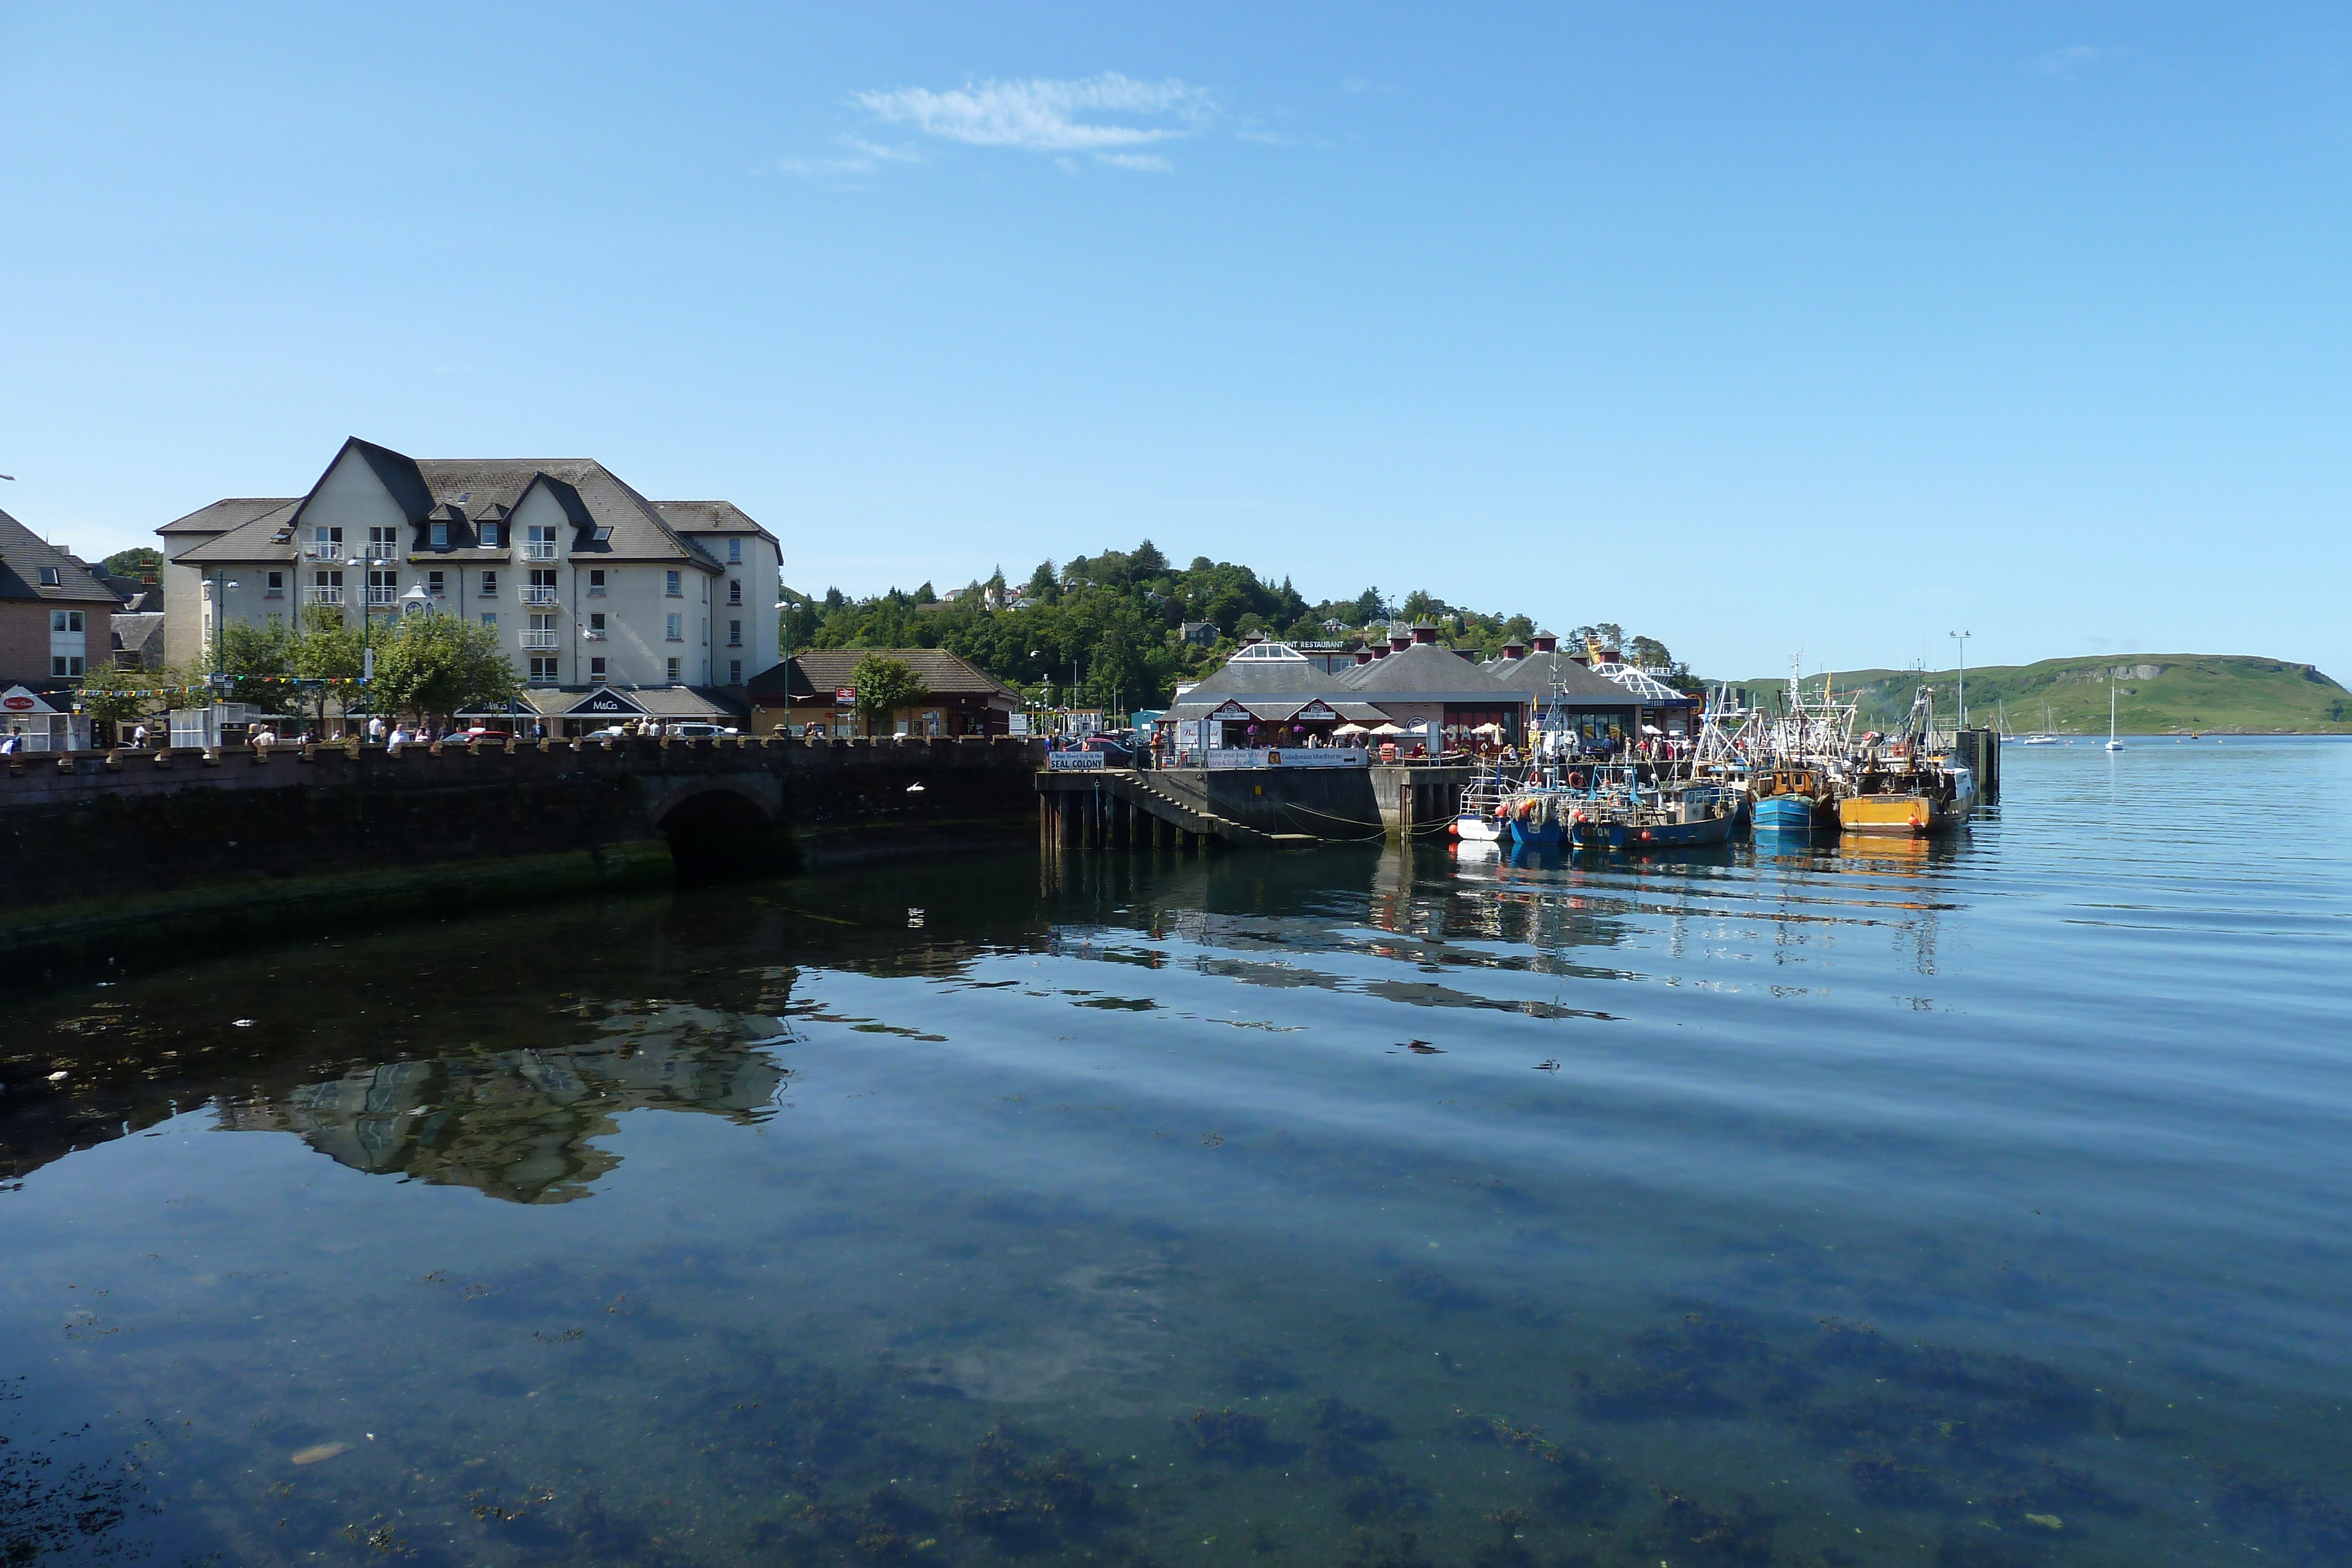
[(607, 603)]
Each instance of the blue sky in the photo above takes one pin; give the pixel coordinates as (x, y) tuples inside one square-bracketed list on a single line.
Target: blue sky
[(1757, 328)]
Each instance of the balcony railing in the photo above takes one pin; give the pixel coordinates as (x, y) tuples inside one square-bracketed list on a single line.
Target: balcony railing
[(323, 549), (539, 596), (322, 596), (539, 640), (538, 549), (593, 634), (383, 598)]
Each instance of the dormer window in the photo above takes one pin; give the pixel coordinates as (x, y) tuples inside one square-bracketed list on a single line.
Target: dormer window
[(440, 535), (601, 535), (492, 534)]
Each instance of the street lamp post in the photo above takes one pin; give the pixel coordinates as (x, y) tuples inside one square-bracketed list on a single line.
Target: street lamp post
[(1962, 638)]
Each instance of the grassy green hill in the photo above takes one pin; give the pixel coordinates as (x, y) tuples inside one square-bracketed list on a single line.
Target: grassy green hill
[(2159, 693)]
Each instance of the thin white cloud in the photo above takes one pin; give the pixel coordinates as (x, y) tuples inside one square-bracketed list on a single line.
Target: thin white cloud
[(2070, 60), (861, 157), (1105, 118)]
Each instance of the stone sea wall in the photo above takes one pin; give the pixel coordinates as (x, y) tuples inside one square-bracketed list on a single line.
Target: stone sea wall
[(108, 851)]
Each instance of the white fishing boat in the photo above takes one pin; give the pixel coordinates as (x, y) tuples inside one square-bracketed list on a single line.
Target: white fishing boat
[(2113, 744)]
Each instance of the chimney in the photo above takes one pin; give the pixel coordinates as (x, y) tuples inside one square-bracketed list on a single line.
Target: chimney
[(146, 577), (1546, 642), (1426, 632), (1400, 641), (1363, 655), (1515, 650)]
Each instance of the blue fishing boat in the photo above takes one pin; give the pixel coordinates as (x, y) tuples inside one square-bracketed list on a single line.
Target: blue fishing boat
[(1790, 800), (1621, 814)]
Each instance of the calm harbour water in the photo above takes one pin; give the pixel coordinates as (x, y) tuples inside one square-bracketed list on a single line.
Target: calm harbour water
[(1978, 1203)]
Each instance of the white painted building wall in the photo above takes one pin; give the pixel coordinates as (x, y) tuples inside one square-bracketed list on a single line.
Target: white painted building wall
[(634, 597)]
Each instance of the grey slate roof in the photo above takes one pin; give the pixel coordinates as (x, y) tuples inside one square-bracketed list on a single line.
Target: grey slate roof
[(463, 492), (1425, 673), (711, 518), (231, 512), (23, 553), (256, 539), (139, 639), (1536, 673), (1263, 678)]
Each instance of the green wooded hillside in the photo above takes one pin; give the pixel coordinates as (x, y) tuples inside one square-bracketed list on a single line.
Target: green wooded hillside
[(2159, 693)]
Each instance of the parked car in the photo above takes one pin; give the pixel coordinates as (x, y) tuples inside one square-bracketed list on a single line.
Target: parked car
[(1116, 753), (610, 732), (697, 731)]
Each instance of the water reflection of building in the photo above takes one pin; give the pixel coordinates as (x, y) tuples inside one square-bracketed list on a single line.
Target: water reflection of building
[(522, 1124)]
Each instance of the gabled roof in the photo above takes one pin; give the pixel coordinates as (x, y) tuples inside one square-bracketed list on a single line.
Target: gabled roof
[(134, 632), (711, 518), (262, 538), (23, 554), (1536, 675), (816, 675), (1256, 671), (1428, 673), (231, 512), (464, 490)]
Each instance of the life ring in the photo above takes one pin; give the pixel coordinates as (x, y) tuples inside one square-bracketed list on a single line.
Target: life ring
[(1576, 777)]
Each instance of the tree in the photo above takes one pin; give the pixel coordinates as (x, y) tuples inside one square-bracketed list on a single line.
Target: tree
[(884, 685), (117, 695), (327, 649), (441, 665), (250, 664), (1648, 653), (133, 562)]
